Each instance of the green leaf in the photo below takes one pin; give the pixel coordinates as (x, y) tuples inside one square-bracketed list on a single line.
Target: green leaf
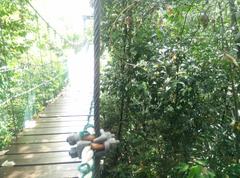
[(183, 167), (194, 171)]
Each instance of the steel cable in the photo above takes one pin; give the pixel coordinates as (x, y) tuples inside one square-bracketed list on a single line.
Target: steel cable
[(97, 14)]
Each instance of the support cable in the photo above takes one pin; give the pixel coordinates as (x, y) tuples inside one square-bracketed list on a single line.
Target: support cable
[(22, 68), (30, 90), (5, 69), (47, 23), (97, 14)]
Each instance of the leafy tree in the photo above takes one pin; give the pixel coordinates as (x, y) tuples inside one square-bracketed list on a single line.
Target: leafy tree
[(170, 90)]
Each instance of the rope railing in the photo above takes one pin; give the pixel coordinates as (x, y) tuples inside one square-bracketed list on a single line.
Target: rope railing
[(33, 70), (29, 66), (5, 69), (90, 110), (97, 14), (26, 66), (48, 24), (45, 83)]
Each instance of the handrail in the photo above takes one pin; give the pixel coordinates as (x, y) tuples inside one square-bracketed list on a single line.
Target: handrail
[(47, 23), (26, 66), (30, 90), (90, 110)]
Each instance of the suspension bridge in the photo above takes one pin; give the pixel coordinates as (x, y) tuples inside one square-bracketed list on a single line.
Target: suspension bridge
[(40, 149)]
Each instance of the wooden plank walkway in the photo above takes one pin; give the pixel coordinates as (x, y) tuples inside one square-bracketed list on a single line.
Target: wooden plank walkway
[(42, 151)]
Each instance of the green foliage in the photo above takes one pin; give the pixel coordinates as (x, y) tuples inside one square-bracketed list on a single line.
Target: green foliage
[(31, 67), (233, 170), (170, 90), (196, 170)]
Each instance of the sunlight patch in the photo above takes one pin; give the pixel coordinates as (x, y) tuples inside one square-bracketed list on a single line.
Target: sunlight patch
[(29, 124)]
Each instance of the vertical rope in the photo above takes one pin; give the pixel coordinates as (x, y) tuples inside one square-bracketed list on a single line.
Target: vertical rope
[(90, 111), (96, 65), (97, 9)]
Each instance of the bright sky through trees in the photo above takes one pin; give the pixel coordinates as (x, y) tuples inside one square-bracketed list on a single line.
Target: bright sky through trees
[(64, 15)]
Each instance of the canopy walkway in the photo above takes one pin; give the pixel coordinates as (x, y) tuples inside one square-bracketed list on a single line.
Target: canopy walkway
[(48, 61), (170, 89), (42, 151)]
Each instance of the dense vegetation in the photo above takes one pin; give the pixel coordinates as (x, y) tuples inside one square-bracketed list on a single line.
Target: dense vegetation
[(170, 91), (31, 66)]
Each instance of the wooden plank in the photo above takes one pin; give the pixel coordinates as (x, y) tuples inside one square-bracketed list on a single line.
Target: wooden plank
[(67, 103), (60, 124), (72, 105), (70, 112), (72, 98), (61, 115), (71, 101), (64, 109), (61, 119), (40, 159), (42, 138), (50, 131), (38, 148), (45, 171)]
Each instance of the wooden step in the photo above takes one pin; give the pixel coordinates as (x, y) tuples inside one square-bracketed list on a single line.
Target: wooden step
[(40, 159), (42, 138), (39, 148), (44, 171), (60, 124), (62, 119), (52, 131)]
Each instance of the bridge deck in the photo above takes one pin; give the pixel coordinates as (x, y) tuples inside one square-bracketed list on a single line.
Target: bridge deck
[(42, 151)]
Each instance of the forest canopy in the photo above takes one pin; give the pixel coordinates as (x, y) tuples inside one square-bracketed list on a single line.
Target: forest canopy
[(170, 90)]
